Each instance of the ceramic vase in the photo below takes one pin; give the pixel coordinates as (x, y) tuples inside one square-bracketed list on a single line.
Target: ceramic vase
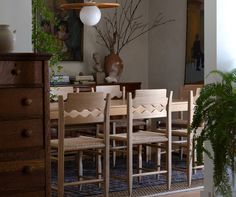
[(113, 66), (6, 39)]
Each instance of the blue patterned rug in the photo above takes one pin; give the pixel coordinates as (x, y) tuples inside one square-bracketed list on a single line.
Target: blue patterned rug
[(115, 184)]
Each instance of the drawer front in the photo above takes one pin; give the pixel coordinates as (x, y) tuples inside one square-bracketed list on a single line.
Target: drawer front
[(20, 72), (21, 134), (23, 194), (26, 175), (21, 102)]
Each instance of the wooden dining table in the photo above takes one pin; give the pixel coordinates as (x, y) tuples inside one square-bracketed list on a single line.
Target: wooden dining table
[(119, 107)]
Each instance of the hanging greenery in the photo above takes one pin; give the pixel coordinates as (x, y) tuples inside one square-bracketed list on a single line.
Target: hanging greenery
[(216, 107), (42, 40)]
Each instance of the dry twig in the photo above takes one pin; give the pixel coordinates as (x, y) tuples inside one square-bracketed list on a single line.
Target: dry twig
[(125, 26)]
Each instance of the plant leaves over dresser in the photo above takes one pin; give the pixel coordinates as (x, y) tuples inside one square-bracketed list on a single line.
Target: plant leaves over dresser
[(42, 40)]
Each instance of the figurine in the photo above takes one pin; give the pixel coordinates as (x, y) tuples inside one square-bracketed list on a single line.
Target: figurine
[(98, 66)]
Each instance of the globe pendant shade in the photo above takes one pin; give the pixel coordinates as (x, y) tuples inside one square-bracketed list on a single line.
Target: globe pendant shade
[(90, 15)]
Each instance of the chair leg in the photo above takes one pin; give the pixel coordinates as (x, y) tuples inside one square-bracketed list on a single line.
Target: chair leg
[(189, 163), (194, 158), (80, 167), (60, 172), (106, 170), (169, 164), (114, 144), (99, 166), (181, 151), (140, 164), (148, 153), (130, 168), (158, 158)]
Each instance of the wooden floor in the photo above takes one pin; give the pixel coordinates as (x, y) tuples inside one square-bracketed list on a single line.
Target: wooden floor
[(185, 194)]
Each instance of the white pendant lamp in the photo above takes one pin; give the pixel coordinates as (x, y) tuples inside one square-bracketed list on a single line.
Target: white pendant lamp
[(90, 13)]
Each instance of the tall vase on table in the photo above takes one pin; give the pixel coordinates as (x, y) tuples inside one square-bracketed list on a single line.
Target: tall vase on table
[(113, 66)]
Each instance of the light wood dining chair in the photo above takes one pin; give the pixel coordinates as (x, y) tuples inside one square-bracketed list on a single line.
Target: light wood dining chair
[(116, 93), (180, 120), (120, 122), (83, 108), (147, 104), (185, 141)]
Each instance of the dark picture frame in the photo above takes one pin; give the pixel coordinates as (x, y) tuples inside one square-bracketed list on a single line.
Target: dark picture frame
[(69, 29), (194, 61)]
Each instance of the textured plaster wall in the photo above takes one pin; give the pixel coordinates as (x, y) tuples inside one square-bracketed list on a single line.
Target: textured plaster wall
[(167, 46), (18, 15)]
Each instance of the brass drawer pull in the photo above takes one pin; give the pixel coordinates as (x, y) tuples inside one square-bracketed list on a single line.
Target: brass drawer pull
[(15, 71), (26, 133), (27, 169), (27, 102)]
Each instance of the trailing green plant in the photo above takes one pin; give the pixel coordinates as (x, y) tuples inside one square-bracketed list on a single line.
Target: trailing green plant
[(42, 40), (216, 107)]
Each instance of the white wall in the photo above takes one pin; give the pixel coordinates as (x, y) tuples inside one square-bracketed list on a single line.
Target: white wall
[(226, 35), (220, 53), (18, 15), (167, 45)]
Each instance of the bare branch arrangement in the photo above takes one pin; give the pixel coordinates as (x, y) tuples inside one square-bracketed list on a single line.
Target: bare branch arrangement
[(125, 26)]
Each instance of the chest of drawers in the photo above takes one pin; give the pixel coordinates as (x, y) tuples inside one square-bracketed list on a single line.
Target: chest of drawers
[(24, 125)]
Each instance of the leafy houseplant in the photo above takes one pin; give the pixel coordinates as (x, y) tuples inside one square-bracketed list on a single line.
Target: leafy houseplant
[(216, 107), (41, 39)]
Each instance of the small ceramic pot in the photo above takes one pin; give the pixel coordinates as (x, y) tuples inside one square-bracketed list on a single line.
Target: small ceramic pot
[(113, 66), (6, 39)]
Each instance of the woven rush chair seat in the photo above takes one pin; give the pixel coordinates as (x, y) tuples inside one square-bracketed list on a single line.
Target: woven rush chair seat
[(175, 132), (141, 137), (79, 143)]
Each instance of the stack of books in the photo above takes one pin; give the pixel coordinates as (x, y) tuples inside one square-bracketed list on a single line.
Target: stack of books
[(84, 79)]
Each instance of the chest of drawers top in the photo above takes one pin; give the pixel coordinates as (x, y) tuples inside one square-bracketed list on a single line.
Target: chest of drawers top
[(21, 69)]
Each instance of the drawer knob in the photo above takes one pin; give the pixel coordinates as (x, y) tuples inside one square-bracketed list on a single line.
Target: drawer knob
[(27, 102), (26, 133), (27, 169), (15, 71)]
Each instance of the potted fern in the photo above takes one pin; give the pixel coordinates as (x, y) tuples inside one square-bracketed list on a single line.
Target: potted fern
[(216, 107)]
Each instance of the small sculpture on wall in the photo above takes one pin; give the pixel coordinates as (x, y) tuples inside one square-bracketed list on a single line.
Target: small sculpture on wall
[(97, 66)]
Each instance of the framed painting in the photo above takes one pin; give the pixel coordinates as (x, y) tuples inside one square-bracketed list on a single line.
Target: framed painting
[(194, 64), (68, 31)]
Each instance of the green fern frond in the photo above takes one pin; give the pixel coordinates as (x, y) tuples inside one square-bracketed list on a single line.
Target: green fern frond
[(216, 107)]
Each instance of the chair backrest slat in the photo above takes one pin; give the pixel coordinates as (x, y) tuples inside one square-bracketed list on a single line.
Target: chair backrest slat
[(184, 90), (150, 103), (114, 90), (63, 91), (84, 108)]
